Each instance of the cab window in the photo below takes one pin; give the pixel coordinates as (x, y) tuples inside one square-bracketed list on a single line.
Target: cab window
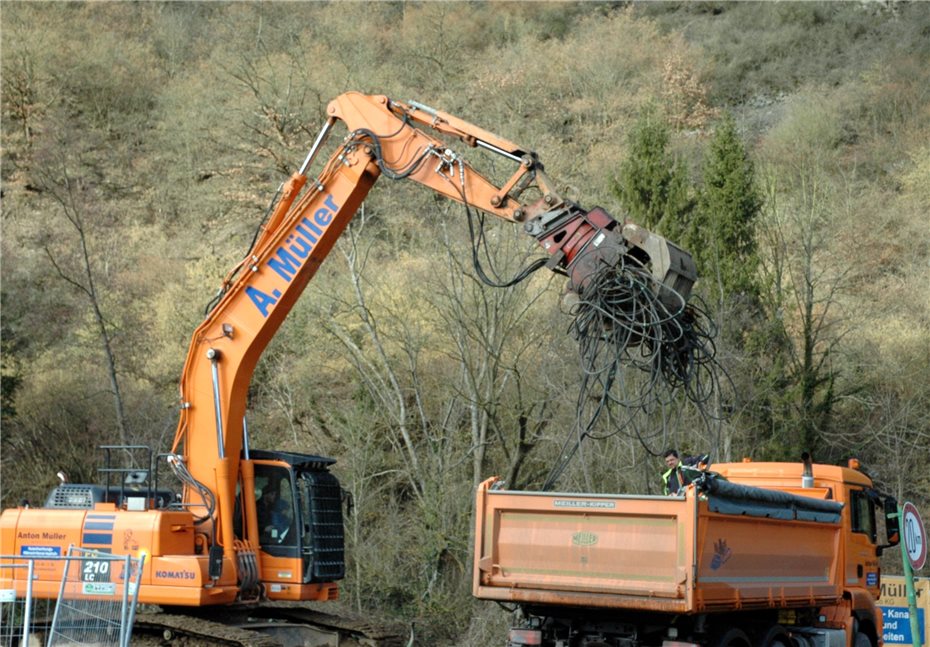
[(274, 504), (863, 514)]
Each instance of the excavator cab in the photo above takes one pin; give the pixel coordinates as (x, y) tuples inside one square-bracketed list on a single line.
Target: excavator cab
[(298, 504)]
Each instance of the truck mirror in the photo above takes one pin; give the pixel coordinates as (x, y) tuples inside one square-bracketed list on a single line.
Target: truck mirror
[(892, 525)]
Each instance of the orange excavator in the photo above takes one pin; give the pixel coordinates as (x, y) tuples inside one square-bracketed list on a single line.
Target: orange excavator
[(213, 544)]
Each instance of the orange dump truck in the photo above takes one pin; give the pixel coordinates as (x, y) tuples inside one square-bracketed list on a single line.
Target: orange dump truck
[(752, 555)]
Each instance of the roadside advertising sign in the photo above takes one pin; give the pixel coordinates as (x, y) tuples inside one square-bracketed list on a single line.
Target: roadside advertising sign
[(896, 614)]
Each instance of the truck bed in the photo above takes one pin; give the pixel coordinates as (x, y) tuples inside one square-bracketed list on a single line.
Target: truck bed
[(735, 547)]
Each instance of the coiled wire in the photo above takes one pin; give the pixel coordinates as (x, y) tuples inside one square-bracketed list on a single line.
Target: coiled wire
[(642, 348)]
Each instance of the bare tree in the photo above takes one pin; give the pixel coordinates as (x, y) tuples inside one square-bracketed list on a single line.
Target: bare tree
[(894, 414), (70, 195), (806, 282), (493, 346), (377, 369)]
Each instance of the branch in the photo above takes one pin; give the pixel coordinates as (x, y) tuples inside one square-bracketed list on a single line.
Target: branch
[(64, 276)]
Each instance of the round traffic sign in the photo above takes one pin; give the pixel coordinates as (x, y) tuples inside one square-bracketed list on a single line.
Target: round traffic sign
[(915, 537)]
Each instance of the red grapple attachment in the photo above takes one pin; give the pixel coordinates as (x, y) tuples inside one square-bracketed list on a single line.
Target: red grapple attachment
[(584, 242)]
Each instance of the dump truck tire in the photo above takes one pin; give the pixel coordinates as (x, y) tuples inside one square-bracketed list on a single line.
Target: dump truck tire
[(733, 637)]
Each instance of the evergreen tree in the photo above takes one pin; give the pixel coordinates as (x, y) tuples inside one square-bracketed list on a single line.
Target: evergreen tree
[(653, 186), (721, 237), (721, 233)]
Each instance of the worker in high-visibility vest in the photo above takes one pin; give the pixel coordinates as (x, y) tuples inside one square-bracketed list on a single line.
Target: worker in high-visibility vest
[(680, 471)]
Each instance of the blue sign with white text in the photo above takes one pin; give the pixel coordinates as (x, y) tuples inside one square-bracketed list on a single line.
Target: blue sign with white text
[(40, 551), (897, 629)]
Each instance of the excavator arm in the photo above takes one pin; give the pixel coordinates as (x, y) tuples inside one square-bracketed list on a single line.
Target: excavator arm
[(385, 138)]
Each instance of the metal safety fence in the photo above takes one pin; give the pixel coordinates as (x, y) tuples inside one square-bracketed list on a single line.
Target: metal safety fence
[(95, 604), (15, 611)]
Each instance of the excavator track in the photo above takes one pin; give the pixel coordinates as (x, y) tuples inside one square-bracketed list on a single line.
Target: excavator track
[(273, 624), (350, 625), (177, 629)]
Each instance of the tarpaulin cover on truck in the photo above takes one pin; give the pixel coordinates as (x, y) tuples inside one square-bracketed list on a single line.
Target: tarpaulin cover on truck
[(733, 498)]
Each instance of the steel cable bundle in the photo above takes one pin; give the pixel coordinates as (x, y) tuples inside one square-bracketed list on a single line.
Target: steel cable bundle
[(641, 348)]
